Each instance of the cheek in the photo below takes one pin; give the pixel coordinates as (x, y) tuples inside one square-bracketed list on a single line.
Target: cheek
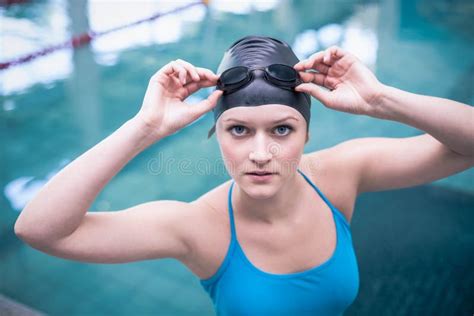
[(233, 156), (290, 156)]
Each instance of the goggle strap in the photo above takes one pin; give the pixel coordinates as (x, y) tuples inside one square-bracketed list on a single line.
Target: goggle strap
[(211, 131)]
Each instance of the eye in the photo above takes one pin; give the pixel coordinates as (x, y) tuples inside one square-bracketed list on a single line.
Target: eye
[(237, 130), (283, 130)]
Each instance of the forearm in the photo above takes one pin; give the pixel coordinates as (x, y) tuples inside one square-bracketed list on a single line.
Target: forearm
[(59, 207), (450, 122)]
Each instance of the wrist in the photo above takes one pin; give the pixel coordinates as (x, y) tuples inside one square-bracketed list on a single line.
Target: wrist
[(146, 133), (378, 104)]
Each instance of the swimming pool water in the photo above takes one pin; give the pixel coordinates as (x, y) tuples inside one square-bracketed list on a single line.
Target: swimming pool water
[(414, 245)]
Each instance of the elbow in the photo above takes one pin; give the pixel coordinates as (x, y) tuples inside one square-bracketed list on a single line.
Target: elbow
[(27, 234), (33, 235), (23, 233), (19, 229)]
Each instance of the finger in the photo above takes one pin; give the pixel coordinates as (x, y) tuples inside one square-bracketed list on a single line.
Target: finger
[(320, 67), (309, 62), (166, 69), (314, 63), (172, 68), (208, 74), (206, 104), (333, 54), (331, 83), (177, 69), (190, 69), (195, 86), (314, 77), (316, 91)]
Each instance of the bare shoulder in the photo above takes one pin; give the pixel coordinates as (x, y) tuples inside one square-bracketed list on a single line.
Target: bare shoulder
[(214, 199), (212, 205), (210, 225)]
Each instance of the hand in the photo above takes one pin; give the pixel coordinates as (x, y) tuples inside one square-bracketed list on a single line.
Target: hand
[(353, 88), (163, 111)]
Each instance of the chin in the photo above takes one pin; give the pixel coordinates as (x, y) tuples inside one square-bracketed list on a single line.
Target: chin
[(259, 191)]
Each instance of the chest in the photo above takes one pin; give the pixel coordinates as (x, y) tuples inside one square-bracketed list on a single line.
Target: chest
[(299, 246), (291, 248)]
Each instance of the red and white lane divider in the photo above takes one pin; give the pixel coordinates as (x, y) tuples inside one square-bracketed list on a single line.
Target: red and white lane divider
[(86, 38)]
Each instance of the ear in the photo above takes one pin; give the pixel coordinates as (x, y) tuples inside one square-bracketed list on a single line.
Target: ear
[(307, 137)]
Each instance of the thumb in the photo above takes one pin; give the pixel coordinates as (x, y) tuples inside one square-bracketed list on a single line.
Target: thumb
[(316, 91), (207, 104)]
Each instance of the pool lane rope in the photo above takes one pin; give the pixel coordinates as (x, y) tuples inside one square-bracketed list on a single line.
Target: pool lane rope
[(87, 37)]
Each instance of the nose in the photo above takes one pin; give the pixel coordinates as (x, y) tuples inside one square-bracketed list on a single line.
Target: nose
[(260, 157), (261, 154)]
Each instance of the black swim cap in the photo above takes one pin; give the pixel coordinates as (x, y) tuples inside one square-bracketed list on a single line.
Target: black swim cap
[(260, 51)]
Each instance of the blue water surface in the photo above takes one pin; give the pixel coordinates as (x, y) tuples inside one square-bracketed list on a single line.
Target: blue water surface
[(414, 246)]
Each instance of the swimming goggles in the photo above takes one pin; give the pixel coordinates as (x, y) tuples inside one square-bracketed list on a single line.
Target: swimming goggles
[(280, 75)]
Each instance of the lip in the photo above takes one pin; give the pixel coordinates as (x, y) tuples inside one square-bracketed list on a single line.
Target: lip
[(260, 172), (260, 177)]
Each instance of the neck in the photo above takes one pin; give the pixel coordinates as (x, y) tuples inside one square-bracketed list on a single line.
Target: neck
[(280, 208)]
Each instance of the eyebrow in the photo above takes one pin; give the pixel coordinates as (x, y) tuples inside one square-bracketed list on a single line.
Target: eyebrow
[(274, 122)]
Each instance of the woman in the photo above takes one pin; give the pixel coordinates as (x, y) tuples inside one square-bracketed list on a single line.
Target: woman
[(274, 244)]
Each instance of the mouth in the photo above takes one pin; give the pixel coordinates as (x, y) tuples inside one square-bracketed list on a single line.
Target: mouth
[(260, 176), (260, 173)]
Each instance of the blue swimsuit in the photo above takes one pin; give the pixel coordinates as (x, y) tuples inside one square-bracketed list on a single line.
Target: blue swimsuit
[(240, 288)]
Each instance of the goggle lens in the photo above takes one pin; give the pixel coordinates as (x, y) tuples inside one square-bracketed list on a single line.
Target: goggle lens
[(280, 75), (234, 75), (282, 72)]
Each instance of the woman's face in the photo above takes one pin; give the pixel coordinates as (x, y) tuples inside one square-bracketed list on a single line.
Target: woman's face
[(265, 138)]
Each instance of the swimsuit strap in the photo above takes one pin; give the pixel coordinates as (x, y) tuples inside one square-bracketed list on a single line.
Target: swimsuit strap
[(231, 211)]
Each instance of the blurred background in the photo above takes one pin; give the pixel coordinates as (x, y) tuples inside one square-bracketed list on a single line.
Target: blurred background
[(414, 246)]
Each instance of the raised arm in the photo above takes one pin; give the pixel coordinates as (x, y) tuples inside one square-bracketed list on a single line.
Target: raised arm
[(341, 82), (57, 220), (59, 207)]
